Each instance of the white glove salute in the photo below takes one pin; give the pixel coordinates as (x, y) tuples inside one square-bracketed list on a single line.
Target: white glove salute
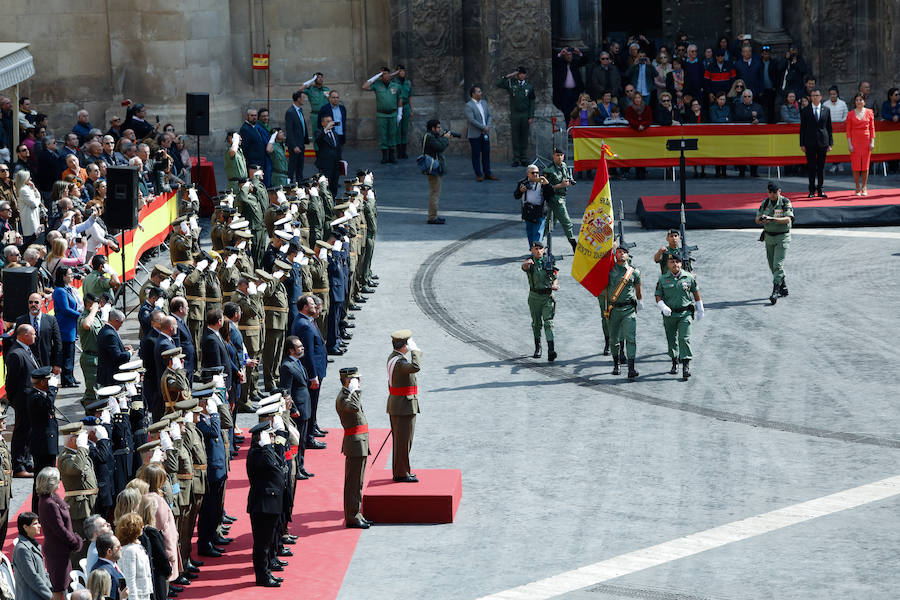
[(211, 406), (113, 407), (699, 306), (640, 305), (100, 431), (160, 303), (107, 268), (272, 137), (123, 403), (666, 311), (201, 266), (264, 438), (82, 440), (157, 453), (235, 141), (261, 288), (374, 77), (412, 345), (104, 418), (231, 260), (175, 430), (246, 186), (219, 381), (281, 197), (278, 423), (251, 288), (354, 385), (54, 381), (312, 80), (165, 284), (165, 442), (179, 279), (314, 192)]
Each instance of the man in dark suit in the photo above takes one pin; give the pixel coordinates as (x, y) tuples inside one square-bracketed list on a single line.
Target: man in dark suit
[(20, 362), (109, 551), (47, 347), (253, 142), (111, 352), (212, 347), (297, 136), (151, 387), (815, 140), (314, 359), (265, 501), (328, 155), (567, 82), (179, 309), (338, 114), (293, 379)]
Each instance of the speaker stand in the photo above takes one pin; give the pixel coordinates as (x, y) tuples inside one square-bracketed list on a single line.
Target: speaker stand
[(126, 284)]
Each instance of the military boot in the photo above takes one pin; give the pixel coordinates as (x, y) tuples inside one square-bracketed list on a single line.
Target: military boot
[(537, 348), (384, 157), (686, 368), (674, 368), (631, 372), (391, 157), (574, 244), (401, 151), (775, 293), (606, 345), (622, 352), (782, 289), (551, 352), (616, 370)]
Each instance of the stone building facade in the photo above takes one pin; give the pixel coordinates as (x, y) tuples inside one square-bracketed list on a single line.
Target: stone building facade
[(94, 53)]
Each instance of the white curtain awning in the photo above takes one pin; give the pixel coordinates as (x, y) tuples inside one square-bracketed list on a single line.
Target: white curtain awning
[(16, 64)]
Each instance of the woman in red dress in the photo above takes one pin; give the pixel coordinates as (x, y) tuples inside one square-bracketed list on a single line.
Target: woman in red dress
[(861, 140)]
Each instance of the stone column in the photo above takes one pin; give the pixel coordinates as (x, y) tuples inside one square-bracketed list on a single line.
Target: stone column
[(772, 30), (569, 24)]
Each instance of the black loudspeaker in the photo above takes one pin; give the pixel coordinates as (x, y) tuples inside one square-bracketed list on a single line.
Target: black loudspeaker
[(18, 284), (121, 206), (197, 114)]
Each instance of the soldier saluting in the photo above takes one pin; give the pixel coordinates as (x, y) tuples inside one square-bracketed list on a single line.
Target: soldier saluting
[(355, 447), (403, 400)]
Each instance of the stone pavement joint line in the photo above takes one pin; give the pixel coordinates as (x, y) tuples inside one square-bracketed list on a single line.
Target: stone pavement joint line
[(423, 291), (695, 543)]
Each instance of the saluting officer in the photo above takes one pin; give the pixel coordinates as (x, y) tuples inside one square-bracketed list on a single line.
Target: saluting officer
[(78, 478), (277, 313), (776, 215), (521, 111), (235, 163), (174, 382), (387, 100), (180, 242), (542, 282), (159, 274), (251, 328), (99, 425), (403, 400), (674, 292), (194, 442), (44, 438), (89, 324), (264, 501), (624, 298), (355, 447), (560, 177)]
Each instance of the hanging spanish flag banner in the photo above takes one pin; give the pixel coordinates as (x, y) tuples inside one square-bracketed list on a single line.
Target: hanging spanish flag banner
[(593, 255), (261, 62)]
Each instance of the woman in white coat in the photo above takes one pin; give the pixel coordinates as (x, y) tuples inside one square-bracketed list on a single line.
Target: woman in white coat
[(134, 562), (29, 206)]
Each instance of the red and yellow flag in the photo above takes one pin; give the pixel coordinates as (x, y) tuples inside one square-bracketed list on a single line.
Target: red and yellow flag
[(261, 62), (593, 255)]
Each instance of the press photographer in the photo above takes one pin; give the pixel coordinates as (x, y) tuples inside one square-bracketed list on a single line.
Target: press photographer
[(432, 165), (535, 192)]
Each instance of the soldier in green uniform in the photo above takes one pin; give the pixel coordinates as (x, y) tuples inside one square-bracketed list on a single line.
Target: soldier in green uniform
[(277, 153), (370, 214), (251, 327), (560, 177), (195, 294), (158, 274), (315, 214), (318, 264), (672, 247), (542, 282), (253, 211), (405, 110), (102, 279), (235, 163), (275, 211), (174, 383), (387, 100), (194, 440), (327, 198), (275, 300), (5, 479), (89, 324), (78, 478), (521, 112), (220, 234), (181, 244), (776, 215), (317, 93), (188, 201), (403, 401), (624, 297), (679, 300), (355, 447)]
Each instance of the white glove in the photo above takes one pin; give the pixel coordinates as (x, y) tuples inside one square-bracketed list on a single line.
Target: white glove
[(160, 303), (201, 266), (352, 210), (174, 431), (219, 381), (304, 260), (258, 173), (229, 199), (278, 423), (665, 310), (278, 274), (370, 195), (272, 137), (242, 245), (346, 239), (640, 305), (323, 253), (251, 289), (164, 284), (107, 268), (195, 226), (281, 197), (373, 78), (105, 418), (322, 180), (412, 345), (157, 456), (261, 288), (354, 385), (54, 381), (192, 194), (211, 406), (699, 306), (336, 246), (369, 179), (312, 80), (231, 260), (399, 113), (82, 440), (104, 313), (264, 438), (185, 227), (314, 192), (113, 406), (179, 279), (300, 193), (123, 403), (165, 442), (246, 186), (235, 141), (177, 363), (100, 432)]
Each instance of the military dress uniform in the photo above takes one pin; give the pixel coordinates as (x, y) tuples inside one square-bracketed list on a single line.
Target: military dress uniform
[(319, 271), (623, 279), (195, 294), (403, 404), (273, 212), (175, 387), (777, 238), (521, 108), (403, 126), (44, 433), (88, 358), (318, 97), (265, 502), (370, 213), (315, 214), (676, 291), (556, 207), (251, 327), (213, 294), (235, 169), (80, 482), (327, 200), (5, 488), (276, 309), (180, 247), (197, 448), (123, 449), (355, 449)]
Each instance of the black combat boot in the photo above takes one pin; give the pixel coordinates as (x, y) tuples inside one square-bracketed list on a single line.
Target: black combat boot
[(616, 370), (574, 244), (537, 348), (674, 368), (384, 157), (686, 368), (391, 157), (401, 151), (782, 289), (551, 352), (775, 293), (631, 372), (622, 352), (606, 345)]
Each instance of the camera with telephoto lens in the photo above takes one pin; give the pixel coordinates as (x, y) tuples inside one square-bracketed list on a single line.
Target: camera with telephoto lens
[(452, 133), (77, 273)]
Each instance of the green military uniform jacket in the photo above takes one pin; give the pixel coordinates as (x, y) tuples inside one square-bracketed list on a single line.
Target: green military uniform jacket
[(677, 291), (664, 260), (403, 392), (195, 290), (76, 471), (175, 387), (781, 208), (228, 278), (318, 97), (252, 320), (370, 212), (269, 218), (555, 175), (184, 471), (521, 96), (276, 306), (315, 215), (353, 418), (327, 201), (5, 476), (319, 271), (386, 96), (627, 296), (540, 279), (235, 168), (213, 290), (306, 278), (89, 338), (197, 447), (219, 237), (95, 282), (180, 248), (405, 91), (279, 164)]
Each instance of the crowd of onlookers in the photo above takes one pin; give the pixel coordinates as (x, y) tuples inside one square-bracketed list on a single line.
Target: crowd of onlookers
[(641, 83)]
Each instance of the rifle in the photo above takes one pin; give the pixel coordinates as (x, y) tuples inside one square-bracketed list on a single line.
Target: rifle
[(686, 258), (620, 228)]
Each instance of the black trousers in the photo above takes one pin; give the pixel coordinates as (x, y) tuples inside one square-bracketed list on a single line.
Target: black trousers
[(263, 526), (815, 166), (314, 404), (302, 426), (295, 166), (210, 515), (21, 457)]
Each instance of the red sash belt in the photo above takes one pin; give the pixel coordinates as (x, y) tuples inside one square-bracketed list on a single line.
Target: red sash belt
[(403, 391), (356, 430)]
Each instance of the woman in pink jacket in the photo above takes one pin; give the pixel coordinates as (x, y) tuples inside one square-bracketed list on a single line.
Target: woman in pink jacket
[(155, 476)]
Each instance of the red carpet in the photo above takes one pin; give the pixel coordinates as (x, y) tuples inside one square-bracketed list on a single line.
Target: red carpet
[(841, 208), (321, 555)]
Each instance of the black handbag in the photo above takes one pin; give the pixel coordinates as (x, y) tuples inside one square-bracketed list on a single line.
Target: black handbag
[(428, 165)]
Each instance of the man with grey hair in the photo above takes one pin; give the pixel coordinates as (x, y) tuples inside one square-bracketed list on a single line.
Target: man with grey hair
[(111, 352), (94, 526), (82, 594), (82, 126), (10, 253), (126, 153), (693, 72), (143, 182)]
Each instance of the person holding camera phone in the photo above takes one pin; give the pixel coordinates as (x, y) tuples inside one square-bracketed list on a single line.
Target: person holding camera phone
[(535, 193), (776, 215), (436, 141)]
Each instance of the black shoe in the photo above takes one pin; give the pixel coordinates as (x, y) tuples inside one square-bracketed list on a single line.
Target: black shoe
[(314, 445), (631, 372), (222, 541), (384, 157), (186, 577), (287, 540), (274, 567), (551, 352), (391, 156), (686, 368), (821, 194), (606, 347), (775, 293), (318, 434), (335, 352), (348, 325), (321, 431), (228, 520), (537, 349), (213, 552), (301, 476), (191, 569), (354, 307), (360, 299), (367, 290), (175, 588), (372, 283), (616, 370), (574, 244), (278, 579), (199, 563), (358, 523), (284, 552), (407, 479), (782, 289), (307, 473), (674, 368), (437, 221), (811, 195), (239, 439), (350, 317), (171, 594), (279, 562), (346, 336), (268, 582)]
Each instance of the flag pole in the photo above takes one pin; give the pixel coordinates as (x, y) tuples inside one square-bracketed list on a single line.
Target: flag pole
[(268, 72)]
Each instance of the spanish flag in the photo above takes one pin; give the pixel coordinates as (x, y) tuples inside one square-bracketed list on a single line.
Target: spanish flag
[(593, 255)]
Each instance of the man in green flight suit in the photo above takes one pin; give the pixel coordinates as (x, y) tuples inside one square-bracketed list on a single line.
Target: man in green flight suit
[(387, 99), (405, 110), (521, 112), (776, 215), (235, 163), (674, 292), (542, 282), (624, 298), (560, 177)]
